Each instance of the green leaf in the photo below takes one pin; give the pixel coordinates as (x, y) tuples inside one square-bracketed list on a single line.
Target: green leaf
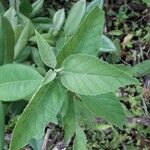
[(87, 38), (70, 121), (6, 41), (36, 144), (147, 2), (60, 43), (63, 111), (41, 20), (24, 54), (11, 15), (58, 20), (19, 81), (17, 31), (80, 140), (94, 3), (37, 58), (46, 51), (2, 126), (84, 115), (14, 3), (75, 16), (42, 109), (106, 106), (103, 127), (115, 32), (37, 7), (140, 69), (124, 68), (107, 45), (87, 75), (23, 38), (22, 18), (47, 36), (25, 7)]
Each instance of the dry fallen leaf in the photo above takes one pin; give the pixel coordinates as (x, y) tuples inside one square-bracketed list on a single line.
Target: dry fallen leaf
[(126, 40)]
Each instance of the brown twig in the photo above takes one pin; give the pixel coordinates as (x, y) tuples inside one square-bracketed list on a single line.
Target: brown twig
[(136, 120), (140, 120), (46, 137)]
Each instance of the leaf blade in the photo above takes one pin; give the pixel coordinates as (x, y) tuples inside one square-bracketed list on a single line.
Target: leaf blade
[(107, 45), (6, 41), (85, 40), (106, 106), (58, 20), (80, 140), (140, 69), (75, 16), (69, 121), (18, 80), (23, 38), (42, 109), (87, 75), (92, 4), (46, 51)]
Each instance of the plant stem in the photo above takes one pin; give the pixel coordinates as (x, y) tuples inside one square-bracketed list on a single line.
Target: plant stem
[(45, 141)]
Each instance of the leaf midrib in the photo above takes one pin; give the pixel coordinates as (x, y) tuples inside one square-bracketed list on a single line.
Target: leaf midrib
[(87, 73)]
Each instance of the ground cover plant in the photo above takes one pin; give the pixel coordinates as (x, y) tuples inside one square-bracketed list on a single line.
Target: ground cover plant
[(54, 71)]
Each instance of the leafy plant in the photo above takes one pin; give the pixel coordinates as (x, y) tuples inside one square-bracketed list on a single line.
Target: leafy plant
[(63, 79), (147, 2)]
